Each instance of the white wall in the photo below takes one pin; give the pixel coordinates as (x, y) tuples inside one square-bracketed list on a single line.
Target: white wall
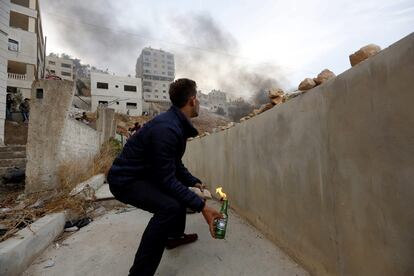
[(115, 95), (4, 23), (79, 141)]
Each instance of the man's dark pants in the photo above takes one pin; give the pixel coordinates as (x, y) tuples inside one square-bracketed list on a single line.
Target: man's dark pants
[(168, 221)]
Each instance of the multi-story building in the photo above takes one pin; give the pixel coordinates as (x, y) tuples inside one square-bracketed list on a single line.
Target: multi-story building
[(157, 70), (60, 67), (123, 94), (203, 98), (22, 50), (4, 31), (217, 99), (26, 46)]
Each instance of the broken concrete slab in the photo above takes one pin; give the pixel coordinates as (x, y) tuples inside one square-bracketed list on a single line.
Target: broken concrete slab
[(17, 253), (104, 193), (95, 182)]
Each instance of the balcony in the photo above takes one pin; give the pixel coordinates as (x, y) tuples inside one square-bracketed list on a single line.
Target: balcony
[(15, 76)]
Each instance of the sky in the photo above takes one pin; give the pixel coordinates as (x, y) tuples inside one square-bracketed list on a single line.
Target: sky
[(236, 46)]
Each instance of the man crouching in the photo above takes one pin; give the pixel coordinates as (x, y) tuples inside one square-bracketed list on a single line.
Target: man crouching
[(150, 175)]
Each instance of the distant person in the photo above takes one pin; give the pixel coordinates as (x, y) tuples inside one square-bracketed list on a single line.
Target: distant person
[(9, 106), (25, 109)]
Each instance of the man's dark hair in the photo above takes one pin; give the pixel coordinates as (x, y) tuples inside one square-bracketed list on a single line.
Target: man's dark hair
[(181, 91)]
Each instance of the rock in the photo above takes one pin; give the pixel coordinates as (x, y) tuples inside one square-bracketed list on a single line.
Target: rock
[(307, 84), (324, 76), (275, 93), (72, 229), (364, 53), (265, 107), (242, 119), (256, 112)]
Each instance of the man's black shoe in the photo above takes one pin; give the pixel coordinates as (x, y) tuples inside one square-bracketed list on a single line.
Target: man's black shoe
[(185, 239)]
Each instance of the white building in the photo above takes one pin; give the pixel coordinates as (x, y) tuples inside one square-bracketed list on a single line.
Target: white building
[(157, 70), (217, 99), (26, 46), (60, 67), (4, 30), (22, 50), (123, 94)]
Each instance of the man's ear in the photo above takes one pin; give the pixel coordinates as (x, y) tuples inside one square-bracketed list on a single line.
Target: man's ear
[(193, 101)]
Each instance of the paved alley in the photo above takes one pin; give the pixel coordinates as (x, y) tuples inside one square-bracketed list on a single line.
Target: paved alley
[(107, 247)]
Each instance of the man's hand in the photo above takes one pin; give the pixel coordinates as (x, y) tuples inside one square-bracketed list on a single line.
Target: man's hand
[(210, 215), (200, 186)]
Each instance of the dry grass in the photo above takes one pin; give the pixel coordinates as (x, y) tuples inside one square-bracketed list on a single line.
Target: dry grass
[(70, 174)]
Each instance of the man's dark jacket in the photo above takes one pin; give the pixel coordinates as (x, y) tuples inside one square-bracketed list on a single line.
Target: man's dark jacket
[(154, 154)]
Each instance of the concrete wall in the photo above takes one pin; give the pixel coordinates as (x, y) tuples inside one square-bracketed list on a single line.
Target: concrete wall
[(4, 26), (328, 175), (79, 141), (53, 138)]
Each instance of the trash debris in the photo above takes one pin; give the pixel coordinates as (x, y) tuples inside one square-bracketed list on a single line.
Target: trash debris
[(49, 263), (78, 222), (72, 229)]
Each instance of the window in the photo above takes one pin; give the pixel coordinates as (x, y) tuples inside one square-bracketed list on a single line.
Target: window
[(52, 62), (147, 90), (131, 105), (147, 64), (147, 83), (102, 85), (155, 65), (147, 71), (156, 96), (163, 73), (117, 103), (169, 62), (13, 45), (170, 56), (147, 53), (65, 65), (116, 86), (170, 68), (130, 88), (66, 74), (164, 91), (103, 103), (170, 73), (163, 84), (156, 90), (164, 97), (52, 71)]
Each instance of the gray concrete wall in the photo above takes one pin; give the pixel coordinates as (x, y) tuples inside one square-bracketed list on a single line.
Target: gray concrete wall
[(46, 129), (328, 176), (53, 137)]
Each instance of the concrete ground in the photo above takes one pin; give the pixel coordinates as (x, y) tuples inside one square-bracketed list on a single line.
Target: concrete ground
[(107, 247)]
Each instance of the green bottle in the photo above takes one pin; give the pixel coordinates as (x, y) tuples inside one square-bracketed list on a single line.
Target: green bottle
[(221, 224)]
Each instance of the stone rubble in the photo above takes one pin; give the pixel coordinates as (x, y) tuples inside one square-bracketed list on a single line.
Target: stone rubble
[(364, 53)]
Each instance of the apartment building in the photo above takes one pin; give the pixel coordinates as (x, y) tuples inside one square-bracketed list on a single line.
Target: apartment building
[(156, 68), (4, 33), (217, 99), (123, 94), (22, 50), (26, 46), (60, 67)]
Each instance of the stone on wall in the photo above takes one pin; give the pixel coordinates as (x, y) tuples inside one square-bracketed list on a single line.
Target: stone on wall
[(307, 84), (324, 76), (364, 53)]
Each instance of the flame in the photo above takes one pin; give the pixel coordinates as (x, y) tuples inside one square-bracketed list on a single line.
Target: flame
[(219, 191)]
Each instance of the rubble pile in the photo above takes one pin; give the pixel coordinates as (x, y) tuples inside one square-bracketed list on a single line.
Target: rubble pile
[(364, 53), (309, 83), (276, 96)]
